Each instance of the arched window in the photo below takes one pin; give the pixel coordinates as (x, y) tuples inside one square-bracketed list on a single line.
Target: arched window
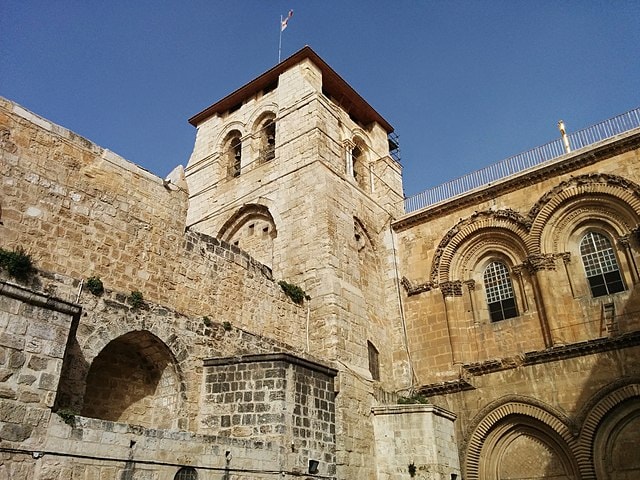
[(600, 265), (186, 473), (268, 140), (499, 290), (233, 153)]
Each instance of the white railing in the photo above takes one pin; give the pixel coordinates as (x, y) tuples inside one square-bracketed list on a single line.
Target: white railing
[(582, 138)]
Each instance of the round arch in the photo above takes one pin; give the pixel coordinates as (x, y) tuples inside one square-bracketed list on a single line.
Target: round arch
[(253, 229), (134, 379)]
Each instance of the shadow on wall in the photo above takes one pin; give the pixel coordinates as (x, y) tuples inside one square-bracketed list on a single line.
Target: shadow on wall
[(133, 379)]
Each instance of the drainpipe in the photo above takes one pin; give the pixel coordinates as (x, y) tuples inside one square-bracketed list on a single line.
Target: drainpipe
[(565, 139)]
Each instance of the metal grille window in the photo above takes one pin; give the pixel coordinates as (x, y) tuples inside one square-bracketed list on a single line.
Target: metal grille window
[(499, 291), (186, 473), (600, 265)]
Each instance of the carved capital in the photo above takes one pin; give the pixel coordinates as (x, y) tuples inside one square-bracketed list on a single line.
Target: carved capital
[(544, 261), (471, 284), (451, 289), (416, 289)]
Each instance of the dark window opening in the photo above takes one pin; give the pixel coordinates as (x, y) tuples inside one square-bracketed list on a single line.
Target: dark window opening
[(186, 473), (499, 291), (600, 265), (374, 361)]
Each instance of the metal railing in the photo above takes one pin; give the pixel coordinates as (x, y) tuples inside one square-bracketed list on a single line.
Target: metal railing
[(582, 138)]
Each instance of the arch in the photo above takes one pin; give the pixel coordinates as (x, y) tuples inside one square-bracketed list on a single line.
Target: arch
[(231, 153), (359, 161), (264, 133), (508, 421), (620, 196), (471, 232), (134, 379), (253, 229), (186, 473), (609, 412)]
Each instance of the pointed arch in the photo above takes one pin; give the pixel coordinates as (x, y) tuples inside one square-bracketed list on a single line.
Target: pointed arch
[(471, 232), (511, 424), (610, 196), (607, 413)]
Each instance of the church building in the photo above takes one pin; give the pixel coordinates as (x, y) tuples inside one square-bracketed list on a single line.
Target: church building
[(278, 309)]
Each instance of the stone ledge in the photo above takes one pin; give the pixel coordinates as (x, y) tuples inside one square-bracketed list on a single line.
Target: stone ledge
[(272, 357), (38, 299), (413, 408)]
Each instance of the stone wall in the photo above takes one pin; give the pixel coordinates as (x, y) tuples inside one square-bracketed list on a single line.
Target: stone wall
[(417, 441), (331, 232), (554, 381)]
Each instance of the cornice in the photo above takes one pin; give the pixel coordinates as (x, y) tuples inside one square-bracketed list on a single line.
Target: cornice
[(566, 164)]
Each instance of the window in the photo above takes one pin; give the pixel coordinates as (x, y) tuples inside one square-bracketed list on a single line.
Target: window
[(236, 151), (374, 361), (356, 153), (233, 153), (186, 473), (269, 140), (600, 265), (499, 290)]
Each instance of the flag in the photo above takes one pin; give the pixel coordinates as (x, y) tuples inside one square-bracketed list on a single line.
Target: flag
[(283, 23)]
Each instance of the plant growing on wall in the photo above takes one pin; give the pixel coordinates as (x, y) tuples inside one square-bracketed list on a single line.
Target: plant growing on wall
[(95, 286), (413, 399), (136, 299), (17, 263), (294, 292), (226, 325), (67, 416)]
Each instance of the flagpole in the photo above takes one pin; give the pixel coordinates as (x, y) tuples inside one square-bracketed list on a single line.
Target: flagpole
[(280, 41)]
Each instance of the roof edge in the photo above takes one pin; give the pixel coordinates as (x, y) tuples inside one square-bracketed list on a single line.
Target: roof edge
[(329, 76)]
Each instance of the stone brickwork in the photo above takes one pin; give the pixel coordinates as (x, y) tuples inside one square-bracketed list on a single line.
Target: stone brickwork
[(417, 441), (214, 367), (331, 222), (278, 397), (33, 334), (534, 384)]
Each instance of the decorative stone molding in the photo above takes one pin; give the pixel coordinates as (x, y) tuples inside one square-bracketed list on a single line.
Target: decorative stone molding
[(506, 219), (444, 388), (414, 290), (471, 284), (451, 289), (535, 263), (516, 410)]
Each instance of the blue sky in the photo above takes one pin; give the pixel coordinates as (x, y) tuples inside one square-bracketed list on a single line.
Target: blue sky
[(464, 83)]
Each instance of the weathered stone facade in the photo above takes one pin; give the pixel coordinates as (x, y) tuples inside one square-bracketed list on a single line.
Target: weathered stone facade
[(194, 363)]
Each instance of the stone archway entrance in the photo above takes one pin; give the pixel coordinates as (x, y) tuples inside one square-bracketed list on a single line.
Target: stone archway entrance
[(134, 379)]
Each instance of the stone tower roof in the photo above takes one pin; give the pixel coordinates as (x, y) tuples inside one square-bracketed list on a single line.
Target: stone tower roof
[(332, 84)]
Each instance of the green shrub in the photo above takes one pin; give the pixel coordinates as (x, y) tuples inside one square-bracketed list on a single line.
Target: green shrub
[(206, 321), (136, 299), (17, 263), (95, 286), (294, 292), (68, 416), (416, 398), (226, 325)]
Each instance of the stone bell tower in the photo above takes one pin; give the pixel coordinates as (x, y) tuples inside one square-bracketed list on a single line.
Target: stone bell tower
[(295, 169)]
